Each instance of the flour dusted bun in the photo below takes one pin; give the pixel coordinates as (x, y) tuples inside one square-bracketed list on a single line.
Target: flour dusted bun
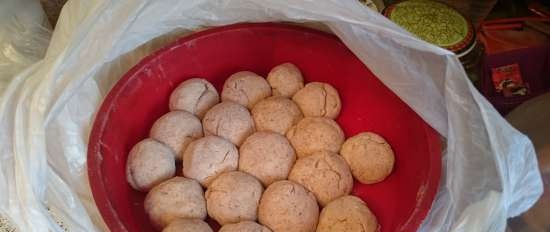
[(230, 121), (285, 80), (245, 88), (268, 156), (233, 197), (149, 163), (177, 129), (206, 158), (195, 95), (178, 197)]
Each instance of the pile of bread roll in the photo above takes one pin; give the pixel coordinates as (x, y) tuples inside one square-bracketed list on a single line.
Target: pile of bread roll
[(268, 157)]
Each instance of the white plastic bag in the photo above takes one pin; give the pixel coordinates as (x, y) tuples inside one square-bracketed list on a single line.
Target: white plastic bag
[(24, 37), (490, 169)]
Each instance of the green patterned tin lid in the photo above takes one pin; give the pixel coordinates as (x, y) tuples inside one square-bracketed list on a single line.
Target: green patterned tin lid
[(433, 22)]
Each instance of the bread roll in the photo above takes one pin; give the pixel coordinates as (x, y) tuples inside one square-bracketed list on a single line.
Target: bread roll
[(268, 156), (285, 80), (206, 158), (369, 156), (347, 214), (288, 207), (276, 114), (245, 88), (175, 198), (188, 225), (149, 163), (195, 95), (315, 134), (177, 129), (233, 197), (244, 226), (325, 174), (318, 99), (230, 121)]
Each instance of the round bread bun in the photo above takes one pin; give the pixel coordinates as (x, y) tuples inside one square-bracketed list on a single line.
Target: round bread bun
[(177, 197), (188, 225), (149, 163), (347, 214), (325, 174), (230, 121), (268, 156), (369, 156), (287, 206), (313, 134), (177, 129), (245, 88), (206, 158), (244, 226), (233, 197), (285, 80), (318, 99), (195, 95), (276, 114)]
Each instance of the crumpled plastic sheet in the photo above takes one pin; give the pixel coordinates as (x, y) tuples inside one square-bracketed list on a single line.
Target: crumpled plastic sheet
[(490, 169)]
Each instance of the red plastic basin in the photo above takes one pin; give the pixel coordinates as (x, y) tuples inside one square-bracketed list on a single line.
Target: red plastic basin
[(400, 203)]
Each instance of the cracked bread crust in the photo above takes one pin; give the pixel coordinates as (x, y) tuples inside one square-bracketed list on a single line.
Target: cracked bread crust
[(347, 214), (369, 156), (149, 163), (207, 157), (178, 197), (325, 174), (318, 99), (233, 197), (230, 121), (276, 114), (245, 88), (285, 80), (313, 134), (287, 206), (177, 129), (268, 156), (195, 95)]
